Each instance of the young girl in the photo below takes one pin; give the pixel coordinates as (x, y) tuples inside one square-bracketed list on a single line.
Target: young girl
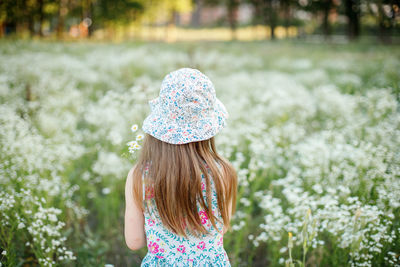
[(181, 193)]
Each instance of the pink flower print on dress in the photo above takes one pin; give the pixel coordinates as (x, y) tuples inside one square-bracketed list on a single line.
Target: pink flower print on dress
[(153, 247), (181, 249), (201, 245), (203, 217), (146, 168), (150, 222), (159, 256), (220, 241), (203, 186)]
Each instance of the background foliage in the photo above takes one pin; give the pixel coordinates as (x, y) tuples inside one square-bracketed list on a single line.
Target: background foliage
[(83, 18)]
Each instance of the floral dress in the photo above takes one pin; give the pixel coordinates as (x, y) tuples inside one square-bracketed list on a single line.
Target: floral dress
[(168, 249)]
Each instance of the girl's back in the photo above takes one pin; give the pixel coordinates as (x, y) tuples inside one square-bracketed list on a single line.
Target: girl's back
[(165, 248), (183, 191)]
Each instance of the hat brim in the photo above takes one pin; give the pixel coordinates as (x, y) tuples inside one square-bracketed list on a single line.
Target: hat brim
[(170, 131)]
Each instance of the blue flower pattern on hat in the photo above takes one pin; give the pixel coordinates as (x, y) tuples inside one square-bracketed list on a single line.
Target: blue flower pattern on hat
[(186, 110)]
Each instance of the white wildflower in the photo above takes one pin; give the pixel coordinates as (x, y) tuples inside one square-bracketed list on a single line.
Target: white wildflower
[(106, 191), (134, 128)]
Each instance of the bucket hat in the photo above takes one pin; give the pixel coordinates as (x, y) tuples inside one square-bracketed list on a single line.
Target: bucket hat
[(186, 110)]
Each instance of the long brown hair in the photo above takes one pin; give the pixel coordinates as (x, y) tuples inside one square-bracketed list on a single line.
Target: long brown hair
[(175, 176)]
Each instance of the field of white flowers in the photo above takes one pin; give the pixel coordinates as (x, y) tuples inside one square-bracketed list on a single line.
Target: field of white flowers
[(314, 133)]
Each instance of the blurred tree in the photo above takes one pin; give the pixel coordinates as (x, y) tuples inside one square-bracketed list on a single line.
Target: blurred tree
[(384, 12), (196, 14), (258, 11), (232, 9), (286, 8), (267, 12), (321, 7), (119, 11), (20, 15), (9, 13), (326, 6), (166, 12), (62, 13), (353, 18), (29, 12), (50, 14), (108, 15), (87, 10), (29, 17), (41, 16), (270, 10)]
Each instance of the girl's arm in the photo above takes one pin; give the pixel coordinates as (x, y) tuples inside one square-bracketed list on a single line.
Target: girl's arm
[(135, 237)]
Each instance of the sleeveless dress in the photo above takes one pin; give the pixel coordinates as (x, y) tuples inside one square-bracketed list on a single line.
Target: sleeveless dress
[(168, 249)]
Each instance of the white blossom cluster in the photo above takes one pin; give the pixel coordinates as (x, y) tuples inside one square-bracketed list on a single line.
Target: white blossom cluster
[(22, 212), (336, 154)]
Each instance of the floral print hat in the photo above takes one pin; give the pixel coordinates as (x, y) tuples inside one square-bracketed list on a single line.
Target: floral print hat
[(186, 110)]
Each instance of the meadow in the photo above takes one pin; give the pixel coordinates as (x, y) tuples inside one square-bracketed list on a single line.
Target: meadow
[(313, 132)]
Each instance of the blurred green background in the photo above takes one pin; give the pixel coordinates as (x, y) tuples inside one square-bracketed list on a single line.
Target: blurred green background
[(168, 20)]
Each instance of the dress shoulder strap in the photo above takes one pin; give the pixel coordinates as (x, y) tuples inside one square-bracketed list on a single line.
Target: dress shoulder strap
[(144, 174), (143, 188)]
